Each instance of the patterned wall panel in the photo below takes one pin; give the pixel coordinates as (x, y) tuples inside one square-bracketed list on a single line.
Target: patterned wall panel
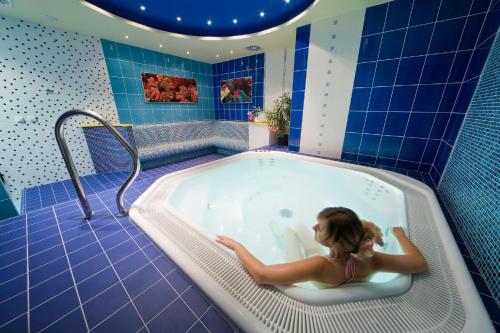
[(106, 151), (416, 73), (333, 54), (43, 73), (469, 186), (125, 64), (242, 67)]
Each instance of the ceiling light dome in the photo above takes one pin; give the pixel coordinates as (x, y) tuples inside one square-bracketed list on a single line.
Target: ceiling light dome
[(231, 21)]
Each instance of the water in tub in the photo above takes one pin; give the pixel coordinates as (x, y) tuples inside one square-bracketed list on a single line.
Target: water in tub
[(242, 198)]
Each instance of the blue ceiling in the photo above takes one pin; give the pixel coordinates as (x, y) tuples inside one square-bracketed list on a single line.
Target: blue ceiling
[(195, 14)]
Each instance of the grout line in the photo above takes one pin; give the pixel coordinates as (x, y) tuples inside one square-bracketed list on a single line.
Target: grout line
[(392, 90), (156, 267), (373, 80), (118, 276), (71, 270)]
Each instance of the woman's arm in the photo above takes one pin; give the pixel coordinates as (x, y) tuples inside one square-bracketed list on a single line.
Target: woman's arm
[(411, 262), (309, 269)]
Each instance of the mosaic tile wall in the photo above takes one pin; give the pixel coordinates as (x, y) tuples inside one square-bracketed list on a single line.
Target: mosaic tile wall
[(242, 67), (299, 85), (106, 151), (417, 69), (125, 64), (43, 73), (469, 187)]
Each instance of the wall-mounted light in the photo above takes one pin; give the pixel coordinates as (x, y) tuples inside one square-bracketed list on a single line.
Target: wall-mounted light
[(235, 21), (209, 22), (262, 14), (179, 18), (143, 8), (126, 36)]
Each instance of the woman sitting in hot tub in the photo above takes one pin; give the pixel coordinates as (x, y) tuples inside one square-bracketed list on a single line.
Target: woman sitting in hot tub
[(351, 257)]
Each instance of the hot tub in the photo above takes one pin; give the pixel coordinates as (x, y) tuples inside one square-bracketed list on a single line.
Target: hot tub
[(241, 195)]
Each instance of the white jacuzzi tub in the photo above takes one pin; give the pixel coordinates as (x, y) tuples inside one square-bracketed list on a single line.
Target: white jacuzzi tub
[(183, 211)]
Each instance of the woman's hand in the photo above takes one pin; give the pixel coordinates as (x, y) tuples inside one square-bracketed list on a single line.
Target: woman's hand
[(398, 231), (227, 242), (374, 232)]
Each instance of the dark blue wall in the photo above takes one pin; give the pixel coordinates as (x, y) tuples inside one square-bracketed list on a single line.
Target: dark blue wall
[(418, 66), (242, 67)]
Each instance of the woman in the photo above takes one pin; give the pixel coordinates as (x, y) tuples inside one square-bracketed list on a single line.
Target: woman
[(351, 256)]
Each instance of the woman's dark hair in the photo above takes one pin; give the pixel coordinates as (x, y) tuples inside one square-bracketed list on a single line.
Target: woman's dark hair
[(343, 227)]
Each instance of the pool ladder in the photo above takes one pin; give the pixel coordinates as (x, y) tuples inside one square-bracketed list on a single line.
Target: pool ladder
[(59, 131)]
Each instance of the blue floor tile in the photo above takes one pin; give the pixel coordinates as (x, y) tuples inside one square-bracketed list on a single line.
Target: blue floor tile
[(104, 305), (96, 284), (72, 322), (196, 300), (90, 267), (141, 280), (177, 316), (13, 308), (18, 325), (48, 270), (53, 310), (152, 301), (123, 321), (215, 322), (47, 289)]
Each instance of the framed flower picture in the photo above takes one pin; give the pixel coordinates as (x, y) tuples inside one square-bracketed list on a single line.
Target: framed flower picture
[(236, 90), (160, 88)]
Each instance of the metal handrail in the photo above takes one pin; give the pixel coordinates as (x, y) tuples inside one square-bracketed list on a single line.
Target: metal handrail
[(59, 131)]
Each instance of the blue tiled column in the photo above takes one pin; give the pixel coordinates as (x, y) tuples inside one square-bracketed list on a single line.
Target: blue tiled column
[(299, 85)]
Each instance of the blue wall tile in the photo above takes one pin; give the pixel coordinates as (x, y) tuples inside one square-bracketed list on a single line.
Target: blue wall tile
[(395, 123), (125, 64), (469, 185), (386, 73), (374, 19), (418, 39), (389, 147), (252, 66), (398, 14), (431, 62), (424, 11), (369, 48), (392, 44), (446, 35)]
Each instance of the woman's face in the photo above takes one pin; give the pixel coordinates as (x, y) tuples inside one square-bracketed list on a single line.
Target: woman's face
[(319, 233)]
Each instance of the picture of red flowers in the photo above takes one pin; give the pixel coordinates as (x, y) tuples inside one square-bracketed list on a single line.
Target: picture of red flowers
[(169, 89), (236, 90)]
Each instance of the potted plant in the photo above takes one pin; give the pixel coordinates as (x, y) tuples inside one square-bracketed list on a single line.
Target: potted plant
[(279, 118)]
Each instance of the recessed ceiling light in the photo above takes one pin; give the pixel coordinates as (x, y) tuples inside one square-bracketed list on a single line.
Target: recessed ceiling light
[(287, 1), (143, 8), (235, 21), (187, 52), (231, 51), (126, 36), (262, 14), (209, 22), (179, 19), (161, 45)]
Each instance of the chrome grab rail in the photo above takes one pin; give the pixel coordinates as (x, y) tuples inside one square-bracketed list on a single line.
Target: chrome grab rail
[(59, 131)]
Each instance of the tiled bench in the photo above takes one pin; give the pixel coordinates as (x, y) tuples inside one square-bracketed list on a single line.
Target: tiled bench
[(160, 144)]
